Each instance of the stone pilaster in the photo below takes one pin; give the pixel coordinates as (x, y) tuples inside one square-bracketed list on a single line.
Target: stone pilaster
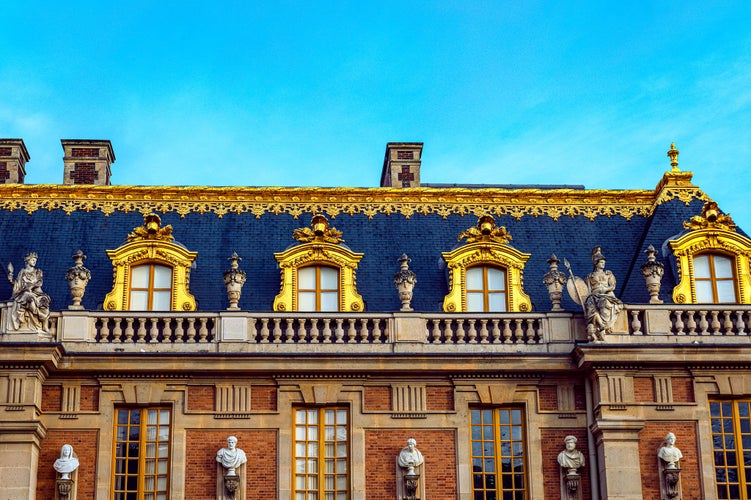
[(617, 444)]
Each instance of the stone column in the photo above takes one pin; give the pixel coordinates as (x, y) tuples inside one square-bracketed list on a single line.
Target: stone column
[(618, 458)]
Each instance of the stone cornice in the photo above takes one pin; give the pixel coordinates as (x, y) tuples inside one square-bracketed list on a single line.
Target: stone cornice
[(257, 201)]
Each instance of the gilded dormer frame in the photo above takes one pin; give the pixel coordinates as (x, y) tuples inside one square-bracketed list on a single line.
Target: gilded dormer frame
[(151, 243), (486, 245), (711, 232), (320, 245)]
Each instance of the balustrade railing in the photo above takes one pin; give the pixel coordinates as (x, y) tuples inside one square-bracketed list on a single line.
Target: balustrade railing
[(488, 329), (721, 320)]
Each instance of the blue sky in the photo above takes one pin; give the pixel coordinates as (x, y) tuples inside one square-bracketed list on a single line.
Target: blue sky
[(308, 93)]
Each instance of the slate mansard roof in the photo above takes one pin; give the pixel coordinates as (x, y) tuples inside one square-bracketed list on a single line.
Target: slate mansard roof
[(382, 223)]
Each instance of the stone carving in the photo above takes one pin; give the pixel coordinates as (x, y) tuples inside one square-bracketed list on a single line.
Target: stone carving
[(409, 467), (670, 473), (231, 457), (78, 277), (652, 270), (570, 460), (596, 296), (30, 310), (67, 463), (234, 279), (554, 280), (405, 281)]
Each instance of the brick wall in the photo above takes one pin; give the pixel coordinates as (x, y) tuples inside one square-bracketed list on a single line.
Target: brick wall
[(84, 173), (650, 440), (547, 397), (201, 398), (84, 152), (52, 398), (263, 397), (439, 398), (260, 448), (683, 389), (85, 443), (644, 389), (377, 398), (438, 448), (580, 397), (89, 398), (552, 445)]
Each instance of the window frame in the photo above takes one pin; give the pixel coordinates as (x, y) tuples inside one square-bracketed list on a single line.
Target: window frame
[(321, 447), (143, 440), (150, 288), (318, 290), (713, 279), (497, 457), (743, 482), (486, 291)]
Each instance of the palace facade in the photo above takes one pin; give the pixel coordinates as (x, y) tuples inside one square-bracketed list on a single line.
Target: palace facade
[(536, 342)]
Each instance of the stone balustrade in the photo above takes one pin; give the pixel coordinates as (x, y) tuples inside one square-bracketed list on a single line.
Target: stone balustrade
[(708, 321)]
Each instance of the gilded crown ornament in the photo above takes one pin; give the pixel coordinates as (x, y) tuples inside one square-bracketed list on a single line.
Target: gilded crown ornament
[(151, 230), (485, 231), (710, 218), (319, 230)]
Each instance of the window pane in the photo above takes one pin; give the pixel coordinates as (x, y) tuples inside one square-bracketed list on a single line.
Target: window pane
[(726, 291), (475, 302), (306, 301), (496, 279), (704, 291), (161, 301), (306, 278), (474, 278), (497, 302), (723, 267), (139, 300), (329, 301), (329, 278), (139, 276), (701, 266), (162, 277)]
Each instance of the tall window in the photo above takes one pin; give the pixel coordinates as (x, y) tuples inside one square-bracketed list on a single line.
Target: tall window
[(731, 437), (486, 289), (317, 288), (150, 288), (714, 280), (142, 454), (321, 454), (498, 454)]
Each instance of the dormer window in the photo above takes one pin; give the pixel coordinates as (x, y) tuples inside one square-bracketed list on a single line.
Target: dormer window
[(486, 289), (317, 288), (714, 280), (150, 288)]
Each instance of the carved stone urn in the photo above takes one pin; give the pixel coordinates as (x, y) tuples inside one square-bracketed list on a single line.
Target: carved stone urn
[(234, 279), (652, 270), (554, 280), (405, 281), (78, 277)]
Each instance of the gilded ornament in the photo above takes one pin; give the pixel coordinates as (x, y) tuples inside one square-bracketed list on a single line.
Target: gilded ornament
[(485, 231), (151, 230), (710, 218)]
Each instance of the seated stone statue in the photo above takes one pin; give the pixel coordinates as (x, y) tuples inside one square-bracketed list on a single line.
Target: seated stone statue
[(67, 463), (601, 305), (571, 459), (31, 306), (669, 453), (231, 457), (410, 457)]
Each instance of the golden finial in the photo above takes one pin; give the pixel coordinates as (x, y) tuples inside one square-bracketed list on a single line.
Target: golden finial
[(673, 155)]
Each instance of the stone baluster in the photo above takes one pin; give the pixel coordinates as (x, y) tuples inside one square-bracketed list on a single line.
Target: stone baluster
[(678, 322), (191, 329), (289, 332), (339, 331), (691, 322), (141, 333), (506, 331), (351, 331), (264, 330), (496, 331), (276, 333)]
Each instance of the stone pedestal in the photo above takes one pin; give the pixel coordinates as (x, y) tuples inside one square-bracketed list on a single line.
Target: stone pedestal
[(617, 444)]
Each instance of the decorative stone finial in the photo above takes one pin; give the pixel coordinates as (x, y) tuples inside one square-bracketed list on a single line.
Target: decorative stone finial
[(78, 277), (554, 280), (652, 270), (673, 155), (405, 281), (234, 279)]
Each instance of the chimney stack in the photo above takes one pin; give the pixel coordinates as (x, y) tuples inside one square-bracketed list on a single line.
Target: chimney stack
[(87, 162), (13, 158), (401, 165)]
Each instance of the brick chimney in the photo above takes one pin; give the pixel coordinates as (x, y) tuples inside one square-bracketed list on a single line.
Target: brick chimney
[(13, 158), (87, 162), (401, 165)]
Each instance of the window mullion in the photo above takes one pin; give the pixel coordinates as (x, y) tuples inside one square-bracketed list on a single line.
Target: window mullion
[(739, 450), (497, 455), (321, 449), (142, 430)]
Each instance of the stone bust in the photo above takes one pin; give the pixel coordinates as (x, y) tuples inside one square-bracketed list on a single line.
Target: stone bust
[(410, 457), (231, 457), (67, 463), (669, 453), (571, 459)]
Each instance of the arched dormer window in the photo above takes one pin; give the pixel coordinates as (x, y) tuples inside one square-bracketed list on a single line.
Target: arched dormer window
[(319, 273), (151, 272), (712, 260), (486, 274)]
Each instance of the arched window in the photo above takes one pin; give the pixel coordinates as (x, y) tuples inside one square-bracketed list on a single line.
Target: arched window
[(486, 289), (150, 288), (317, 288), (713, 276)]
